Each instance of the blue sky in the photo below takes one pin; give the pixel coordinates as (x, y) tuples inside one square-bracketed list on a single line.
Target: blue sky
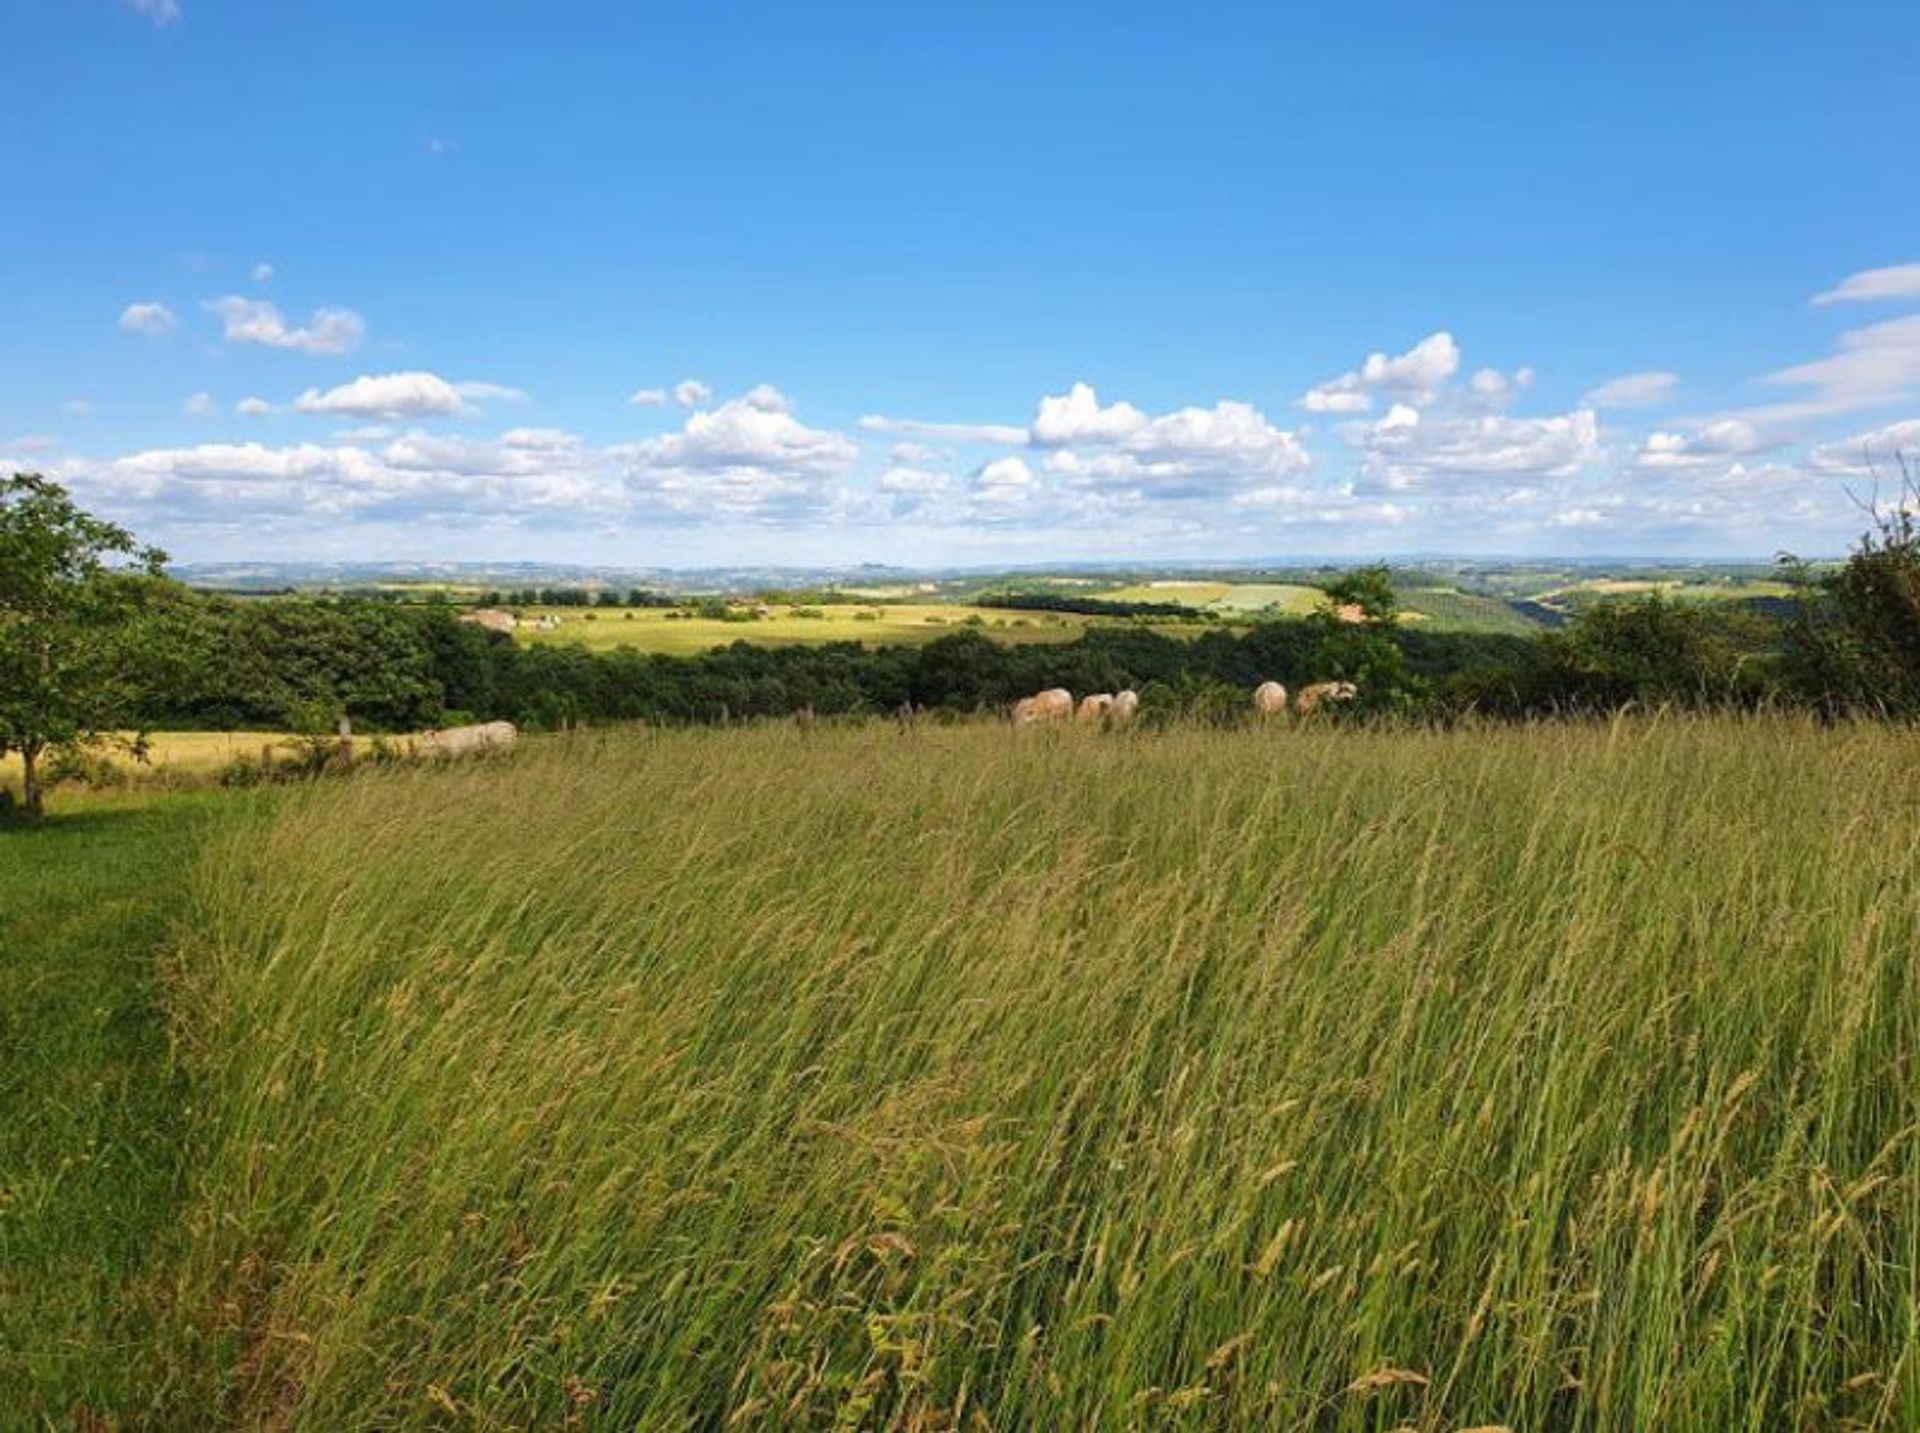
[(960, 283)]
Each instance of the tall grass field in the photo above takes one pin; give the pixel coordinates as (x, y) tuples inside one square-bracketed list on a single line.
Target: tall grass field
[(1560, 1077)]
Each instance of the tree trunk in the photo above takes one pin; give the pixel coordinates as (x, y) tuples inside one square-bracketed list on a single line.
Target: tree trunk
[(30, 783)]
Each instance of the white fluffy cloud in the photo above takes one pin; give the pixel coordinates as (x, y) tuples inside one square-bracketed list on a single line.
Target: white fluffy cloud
[(152, 319), (1003, 488), (1189, 453), (1408, 448), (255, 321), (254, 408), (648, 398), (200, 405), (1077, 417), (401, 395), (524, 474), (1633, 390), (262, 273), (1900, 281), (750, 459), (1412, 375), (1706, 445)]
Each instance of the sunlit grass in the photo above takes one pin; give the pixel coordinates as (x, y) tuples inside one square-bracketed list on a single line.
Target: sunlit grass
[(1554, 1078), (1230, 597), (195, 753), (657, 630)]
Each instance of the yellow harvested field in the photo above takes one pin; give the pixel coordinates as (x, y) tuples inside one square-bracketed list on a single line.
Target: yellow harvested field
[(186, 751), (657, 630)]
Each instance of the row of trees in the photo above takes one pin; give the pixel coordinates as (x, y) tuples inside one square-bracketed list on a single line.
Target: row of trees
[(577, 597), (94, 643)]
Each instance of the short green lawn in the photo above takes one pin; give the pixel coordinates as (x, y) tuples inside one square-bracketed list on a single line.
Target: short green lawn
[(91, 1119)]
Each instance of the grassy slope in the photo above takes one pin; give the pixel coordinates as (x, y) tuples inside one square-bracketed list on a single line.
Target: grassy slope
[(1446, 609), (91, 1121), (1558, 1078)]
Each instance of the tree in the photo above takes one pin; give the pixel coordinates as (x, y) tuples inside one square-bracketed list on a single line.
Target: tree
[(1657, 650), (1854, 643), (65, 616), (1354, 640)]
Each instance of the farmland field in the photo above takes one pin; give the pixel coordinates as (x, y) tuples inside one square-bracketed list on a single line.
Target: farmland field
[(192, 753), (1538, 1077), (1234, 597), (654, 630), (1590, 590)]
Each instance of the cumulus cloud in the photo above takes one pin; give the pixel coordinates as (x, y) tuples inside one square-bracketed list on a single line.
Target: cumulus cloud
[(1706, 445), (750, 459), (1077, 417), (1188, 453), (262, 273), (1006, 433), (255, 321), (911, 492), (198, 406), (518, 452), (1633, 390), (254, 408), (1900, 281), (401, 395), (533, 474), (152, 319), (1003, 487), (1409, 448), (1413, 375), (648, 398)]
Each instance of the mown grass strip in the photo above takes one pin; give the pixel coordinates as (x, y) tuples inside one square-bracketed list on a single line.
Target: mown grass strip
[(92, 1114)]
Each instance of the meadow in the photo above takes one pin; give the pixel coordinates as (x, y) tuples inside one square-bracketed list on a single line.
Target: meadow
[(1556, 1076), (186, 754), (665, 631), (1292, 599)]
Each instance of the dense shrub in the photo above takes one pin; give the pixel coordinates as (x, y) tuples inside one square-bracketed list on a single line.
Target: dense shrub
[(1090, 606), (1854, 643)]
